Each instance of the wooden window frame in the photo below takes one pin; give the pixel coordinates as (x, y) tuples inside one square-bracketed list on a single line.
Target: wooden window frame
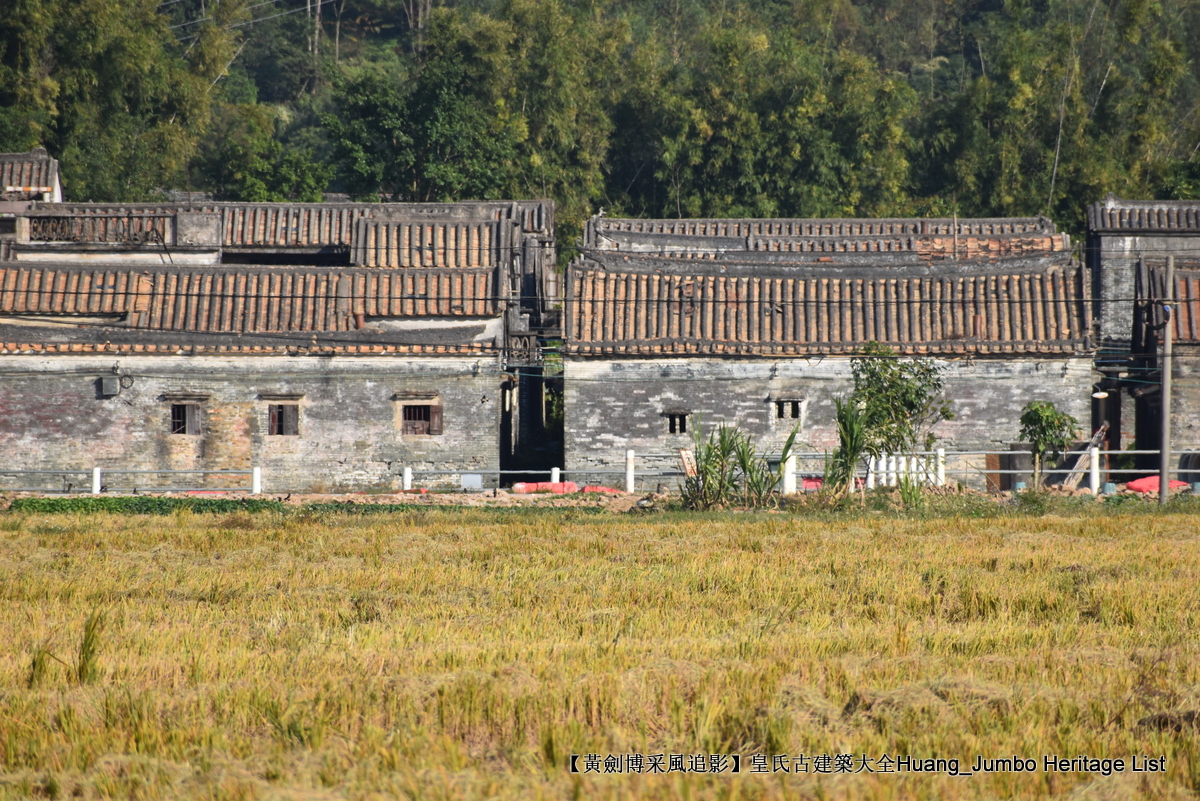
[(185, 419), (422, 419)]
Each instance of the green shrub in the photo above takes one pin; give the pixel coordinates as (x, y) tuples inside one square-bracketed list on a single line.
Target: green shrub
[(142, 505)]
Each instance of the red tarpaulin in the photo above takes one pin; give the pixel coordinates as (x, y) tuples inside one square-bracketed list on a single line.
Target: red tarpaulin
[(1150, 484)]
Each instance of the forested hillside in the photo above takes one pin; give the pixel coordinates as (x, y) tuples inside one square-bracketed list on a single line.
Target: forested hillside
[(643, 107)]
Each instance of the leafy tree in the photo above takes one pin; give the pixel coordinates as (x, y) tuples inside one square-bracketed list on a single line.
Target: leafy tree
[(430, 140), (105, 86), (242, 160), (900, 400), (1049, 430)]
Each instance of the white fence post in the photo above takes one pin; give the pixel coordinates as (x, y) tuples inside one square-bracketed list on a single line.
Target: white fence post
[(406, 482), (870, 482), (1094, 471), (96, 485), (555, 475), (789, 475), (256, 481), (941, 467), (629, 476)]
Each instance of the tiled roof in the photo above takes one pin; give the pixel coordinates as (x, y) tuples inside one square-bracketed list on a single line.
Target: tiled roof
[(33, 172), (924, 239), (392, 243), (1187, 298), (1000, 226), (280, 225), (630, 311), (224, 349), (307, 225), (235, 300), (1144, 216)]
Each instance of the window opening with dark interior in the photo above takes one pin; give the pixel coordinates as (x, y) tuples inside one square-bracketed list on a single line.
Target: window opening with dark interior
[(185, 418), (677, 422), (284, 420), (785, 409), (422, 419)]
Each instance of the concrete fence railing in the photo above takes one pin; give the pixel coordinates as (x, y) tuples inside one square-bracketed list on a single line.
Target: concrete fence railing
[(801, 470), (99, 480)]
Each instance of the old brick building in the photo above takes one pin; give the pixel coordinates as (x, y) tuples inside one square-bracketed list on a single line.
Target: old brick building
[(670, 324), (1128, 246), (329, 344)]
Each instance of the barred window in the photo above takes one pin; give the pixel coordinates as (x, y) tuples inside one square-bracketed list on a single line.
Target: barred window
[(283, 419), (422, 419), (677, 422)]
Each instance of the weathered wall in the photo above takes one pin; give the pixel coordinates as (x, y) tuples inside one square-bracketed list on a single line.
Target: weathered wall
[(613, 405), (1114, 268), (53, 418), (1185, 396)]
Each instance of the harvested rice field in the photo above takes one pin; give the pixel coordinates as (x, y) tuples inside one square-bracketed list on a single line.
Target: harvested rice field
[(480, 653)]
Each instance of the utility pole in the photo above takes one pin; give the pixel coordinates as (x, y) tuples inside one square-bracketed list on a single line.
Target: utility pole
[(1164, 470)]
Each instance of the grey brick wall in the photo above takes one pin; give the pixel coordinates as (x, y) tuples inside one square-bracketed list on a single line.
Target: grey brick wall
[(52, 418), (1185, 396), (614, 405)]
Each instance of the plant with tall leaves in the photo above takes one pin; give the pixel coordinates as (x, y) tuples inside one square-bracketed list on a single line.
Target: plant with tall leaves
[(730, 471), (842, 465)]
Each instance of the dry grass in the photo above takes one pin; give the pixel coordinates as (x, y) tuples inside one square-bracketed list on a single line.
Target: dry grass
[(467, 654)]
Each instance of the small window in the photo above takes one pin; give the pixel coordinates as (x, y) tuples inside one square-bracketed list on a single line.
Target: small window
[(787, 409), (283, 419), (422, 419), (677, 422), (185, 418)]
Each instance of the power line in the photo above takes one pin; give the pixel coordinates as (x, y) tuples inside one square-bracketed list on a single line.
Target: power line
[(975, 301), (206, 19), (264, 19)]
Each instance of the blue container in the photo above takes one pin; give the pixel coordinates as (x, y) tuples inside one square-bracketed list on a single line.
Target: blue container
[(1020, 485), (1110, 489), (1196, 488)]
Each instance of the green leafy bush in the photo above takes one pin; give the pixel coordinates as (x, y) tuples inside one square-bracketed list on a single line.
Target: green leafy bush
[(143, 505)]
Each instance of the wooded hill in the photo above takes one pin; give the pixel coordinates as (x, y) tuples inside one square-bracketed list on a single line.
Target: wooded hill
[(642, 107)]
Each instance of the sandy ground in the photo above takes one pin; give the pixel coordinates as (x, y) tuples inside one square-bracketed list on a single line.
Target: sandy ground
[(616, 503)]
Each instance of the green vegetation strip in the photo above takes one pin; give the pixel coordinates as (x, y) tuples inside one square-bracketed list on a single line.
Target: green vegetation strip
[(150, 505)]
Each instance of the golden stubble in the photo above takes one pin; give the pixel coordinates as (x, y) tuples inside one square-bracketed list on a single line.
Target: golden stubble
[(467, 654)]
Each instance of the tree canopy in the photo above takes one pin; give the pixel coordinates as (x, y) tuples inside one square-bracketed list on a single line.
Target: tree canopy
[(643, 107)]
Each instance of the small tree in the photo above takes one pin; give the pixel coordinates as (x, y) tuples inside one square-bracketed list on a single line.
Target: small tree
[(900, 400), (894, 407), (1049, 430)]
